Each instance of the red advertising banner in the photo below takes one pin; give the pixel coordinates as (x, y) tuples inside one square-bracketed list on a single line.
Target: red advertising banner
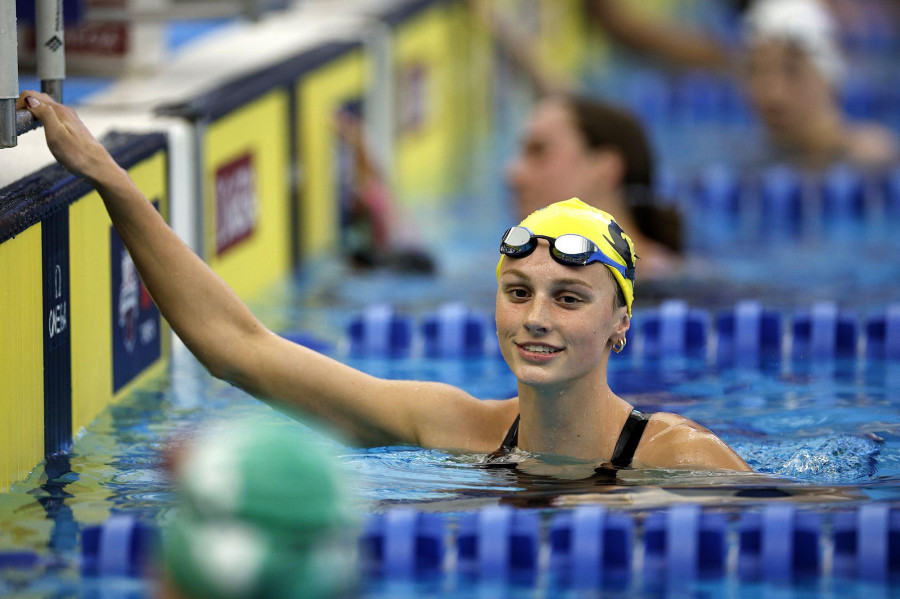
[(236, 203)]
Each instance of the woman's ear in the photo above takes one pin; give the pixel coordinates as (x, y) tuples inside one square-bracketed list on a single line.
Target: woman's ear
[(624, 323), (608, 167)]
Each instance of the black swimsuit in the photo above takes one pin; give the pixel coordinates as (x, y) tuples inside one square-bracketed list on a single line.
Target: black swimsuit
[(627, 444)]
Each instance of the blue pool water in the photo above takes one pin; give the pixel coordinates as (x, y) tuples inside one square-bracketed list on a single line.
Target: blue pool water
[(824, 434)]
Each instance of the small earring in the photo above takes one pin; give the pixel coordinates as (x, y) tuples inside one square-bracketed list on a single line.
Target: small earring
[(619, 345)]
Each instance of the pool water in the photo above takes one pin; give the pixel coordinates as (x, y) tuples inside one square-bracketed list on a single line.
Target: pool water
[(822, 434)]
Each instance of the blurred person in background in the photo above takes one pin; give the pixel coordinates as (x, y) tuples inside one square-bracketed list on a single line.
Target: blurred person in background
[(376, 234), (577, 146), (674, 45), (791, 62), (793, 68), (789, 58)]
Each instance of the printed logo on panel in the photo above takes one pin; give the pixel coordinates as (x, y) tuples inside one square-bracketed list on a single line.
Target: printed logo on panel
[(136, 320), (236, 203), (57, 318), (57, 326)]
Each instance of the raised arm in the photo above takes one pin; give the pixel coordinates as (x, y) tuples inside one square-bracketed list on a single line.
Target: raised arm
[(520, 50), (233, 345), (661, 41)]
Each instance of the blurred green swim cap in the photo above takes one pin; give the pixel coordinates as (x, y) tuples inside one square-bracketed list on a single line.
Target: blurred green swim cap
[(262, 512), (574, 216)]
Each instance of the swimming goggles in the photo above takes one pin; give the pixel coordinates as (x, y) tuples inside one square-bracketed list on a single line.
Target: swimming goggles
[(569, 249)]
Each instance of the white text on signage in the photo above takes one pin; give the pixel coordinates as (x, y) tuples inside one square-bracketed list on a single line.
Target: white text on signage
[(58, 320)]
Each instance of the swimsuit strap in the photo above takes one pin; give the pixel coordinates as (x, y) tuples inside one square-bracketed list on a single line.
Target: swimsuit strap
[(509, 442), (629, 439), (512, 437)]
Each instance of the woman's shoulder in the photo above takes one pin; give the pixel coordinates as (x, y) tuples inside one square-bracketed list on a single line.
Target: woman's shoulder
[(673, 441), (665, 426)]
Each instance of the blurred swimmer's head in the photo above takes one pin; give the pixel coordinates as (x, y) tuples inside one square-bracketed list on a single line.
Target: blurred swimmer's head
[(804, 24), (794, 64), (262, 512), (577, 235), (576, 147)]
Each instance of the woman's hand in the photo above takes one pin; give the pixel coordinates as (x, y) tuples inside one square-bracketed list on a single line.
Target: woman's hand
[(70, 142)]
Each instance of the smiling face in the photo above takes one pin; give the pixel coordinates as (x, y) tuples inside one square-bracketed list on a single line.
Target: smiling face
[(556, 323)]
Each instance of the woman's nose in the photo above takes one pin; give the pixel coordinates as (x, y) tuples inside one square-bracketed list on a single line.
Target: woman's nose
[(537, 319)]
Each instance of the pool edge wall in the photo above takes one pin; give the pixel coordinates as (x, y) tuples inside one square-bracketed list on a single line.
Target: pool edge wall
[(64, 265), (250, 142)]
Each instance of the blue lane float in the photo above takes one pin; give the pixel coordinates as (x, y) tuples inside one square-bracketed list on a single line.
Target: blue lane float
[(779, 544), (823, 333), (749, 335), (781, 200), (843, 192), (718, 190), (380, 331), (455, 331), (403, 543), (591, 547), (867, 543), (498, 542), (121, 546), (883, 335), (587, 547), (683, 544), (673, 329)]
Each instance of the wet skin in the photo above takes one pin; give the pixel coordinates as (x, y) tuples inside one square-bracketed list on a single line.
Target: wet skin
[(555, 323)]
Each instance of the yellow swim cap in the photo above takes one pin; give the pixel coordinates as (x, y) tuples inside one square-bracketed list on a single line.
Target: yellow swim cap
[(575, 217)]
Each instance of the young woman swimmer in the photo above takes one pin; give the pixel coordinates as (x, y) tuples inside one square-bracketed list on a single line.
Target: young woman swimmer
[(566, 283)]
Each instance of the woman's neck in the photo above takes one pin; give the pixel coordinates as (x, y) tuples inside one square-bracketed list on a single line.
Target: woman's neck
[(580, 420)]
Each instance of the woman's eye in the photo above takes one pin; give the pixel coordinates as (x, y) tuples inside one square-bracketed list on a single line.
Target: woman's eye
[(569, 300), (518, 293)]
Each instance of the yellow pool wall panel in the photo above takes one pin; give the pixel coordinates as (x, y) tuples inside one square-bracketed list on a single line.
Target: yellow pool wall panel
[(428, 117), (320, 94), (21, 357), (91, 297), (475, 71), (562, 39), (246, 173)]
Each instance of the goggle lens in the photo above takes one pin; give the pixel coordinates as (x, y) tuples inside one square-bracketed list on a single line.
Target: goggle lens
[(517, 239), (574, 249), (569, 249)]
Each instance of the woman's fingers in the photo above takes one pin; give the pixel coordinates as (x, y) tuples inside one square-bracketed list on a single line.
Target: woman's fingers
[(41, 107), (70, 142)]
